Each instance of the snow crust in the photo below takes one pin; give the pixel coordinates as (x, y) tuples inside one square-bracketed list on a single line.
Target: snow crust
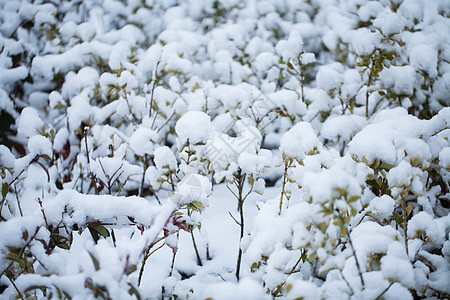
[(224, 149)]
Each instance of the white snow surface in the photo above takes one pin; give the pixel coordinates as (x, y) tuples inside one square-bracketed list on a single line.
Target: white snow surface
[(226, 149)]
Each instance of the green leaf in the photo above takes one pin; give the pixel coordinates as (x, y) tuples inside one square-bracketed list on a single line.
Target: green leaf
[(5, 189), (386, 166), (102, 230), (373, 183), (376, 164), (255, 266), (94, 234), (415, 162), (34, 287), (95, 261), (13, 257), (133, 291), (323, 227), (251, 180), (131, 269), (197, 205), (353, 199), (338, 222), (6, 120), (25, 235), (409, 210), (311, 257)]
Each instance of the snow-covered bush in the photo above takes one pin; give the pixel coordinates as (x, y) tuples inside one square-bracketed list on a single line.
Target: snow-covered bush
[(221, 149)]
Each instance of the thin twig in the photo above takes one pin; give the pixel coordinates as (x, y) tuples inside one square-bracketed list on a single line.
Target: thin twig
[(146, 256), (141, 188), (165, 123), (199, 260), (356, 260), (234, 219), (18, 201), (297, 263), (283, 188), (240, 180), (385, 290), (17, 289), (22, 250), (154, 79), (348, 284)]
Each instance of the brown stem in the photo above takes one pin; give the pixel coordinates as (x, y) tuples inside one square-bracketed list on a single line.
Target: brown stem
[(22, 250), (18, 201), (239, 179), (146, 256), (141, 188), (302, 253), (405, 223), (348, 284), (17, 289), (141, 271), (285, 179), (383, 292), (173, 258), (153, 88), (367, 104), (86, 144), (199, 260), (356, 260)]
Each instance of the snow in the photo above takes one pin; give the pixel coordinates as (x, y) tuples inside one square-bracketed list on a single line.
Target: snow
[(397, 269), (194, 126), (307, 58), (101, 208), (364, 41), (15, 227), (45, 14), (164, 159), (389, 23), (265, 61), (87, 77), (143, 140), (397, 291), (345, 126), (400, 79), (294, 134), (424, 57), (303, 289), (6, 157), (424, 222), (371, 238), (328, 78), (291, 48), (380, 139), (335, 178), (259, 186), (444, 157), (299, 141), (412, 9), (29, 122), (38, 99), (245, 289), (39, 145), (369, 10), (381, 207), (405, 175)]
